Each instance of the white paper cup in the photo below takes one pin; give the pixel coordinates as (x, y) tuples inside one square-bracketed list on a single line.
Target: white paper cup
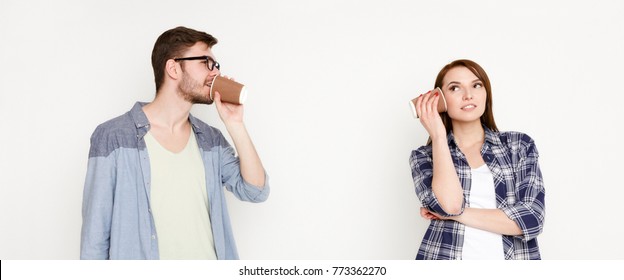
[(441, 102)]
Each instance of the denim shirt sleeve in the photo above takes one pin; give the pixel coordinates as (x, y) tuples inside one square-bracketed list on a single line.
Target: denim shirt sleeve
[(234, 181), (97, 207), (421, 163), (529, 210)]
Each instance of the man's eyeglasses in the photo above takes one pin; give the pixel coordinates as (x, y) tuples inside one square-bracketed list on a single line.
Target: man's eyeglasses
[(210, 62)]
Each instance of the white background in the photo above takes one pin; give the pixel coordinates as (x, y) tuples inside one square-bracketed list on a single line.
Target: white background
[(328, 112)]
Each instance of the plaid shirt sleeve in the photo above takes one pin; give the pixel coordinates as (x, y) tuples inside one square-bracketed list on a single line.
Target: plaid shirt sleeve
[(421, 163), (528, 211)]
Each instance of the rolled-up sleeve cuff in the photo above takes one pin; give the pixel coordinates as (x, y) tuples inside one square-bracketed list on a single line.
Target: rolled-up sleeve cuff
[(530, 225), (434, 205), (258, 194)]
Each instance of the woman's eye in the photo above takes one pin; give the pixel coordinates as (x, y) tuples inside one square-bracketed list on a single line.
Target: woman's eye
[(478, 85), (454, 88)]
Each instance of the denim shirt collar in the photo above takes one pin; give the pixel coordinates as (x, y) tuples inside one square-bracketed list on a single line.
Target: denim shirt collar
[(142, 123)]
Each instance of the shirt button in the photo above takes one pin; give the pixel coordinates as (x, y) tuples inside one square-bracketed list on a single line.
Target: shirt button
[(153, 236)]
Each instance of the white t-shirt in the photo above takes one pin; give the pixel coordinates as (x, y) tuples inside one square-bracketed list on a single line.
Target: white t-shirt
[(480, 244), (179, 202)]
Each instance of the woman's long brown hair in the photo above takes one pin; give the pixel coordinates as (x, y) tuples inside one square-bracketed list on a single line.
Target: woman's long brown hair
[(487, 119)]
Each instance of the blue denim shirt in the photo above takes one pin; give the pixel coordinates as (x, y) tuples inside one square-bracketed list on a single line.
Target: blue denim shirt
[(117, 221), (512, 158)]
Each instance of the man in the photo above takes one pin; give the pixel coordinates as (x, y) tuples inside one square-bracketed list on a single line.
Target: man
[(155, 174)]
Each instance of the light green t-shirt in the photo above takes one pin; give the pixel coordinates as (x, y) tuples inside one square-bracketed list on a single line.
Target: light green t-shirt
[(179, 201)]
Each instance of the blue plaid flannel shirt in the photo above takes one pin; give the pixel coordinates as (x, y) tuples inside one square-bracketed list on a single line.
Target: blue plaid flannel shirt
[(512, 158)]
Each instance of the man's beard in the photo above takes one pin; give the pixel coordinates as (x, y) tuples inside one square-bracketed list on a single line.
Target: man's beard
[(191, 91)]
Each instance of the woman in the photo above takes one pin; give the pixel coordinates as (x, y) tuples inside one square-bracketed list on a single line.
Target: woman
[(482, 189)]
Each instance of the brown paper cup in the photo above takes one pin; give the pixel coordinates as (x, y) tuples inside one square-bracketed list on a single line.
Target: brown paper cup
[(231, 91), (441, 102)]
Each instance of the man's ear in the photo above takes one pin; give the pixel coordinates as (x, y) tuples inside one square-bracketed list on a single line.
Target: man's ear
[(173, 70)]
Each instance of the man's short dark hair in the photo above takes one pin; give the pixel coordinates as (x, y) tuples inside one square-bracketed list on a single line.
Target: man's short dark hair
[(173, 43)]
